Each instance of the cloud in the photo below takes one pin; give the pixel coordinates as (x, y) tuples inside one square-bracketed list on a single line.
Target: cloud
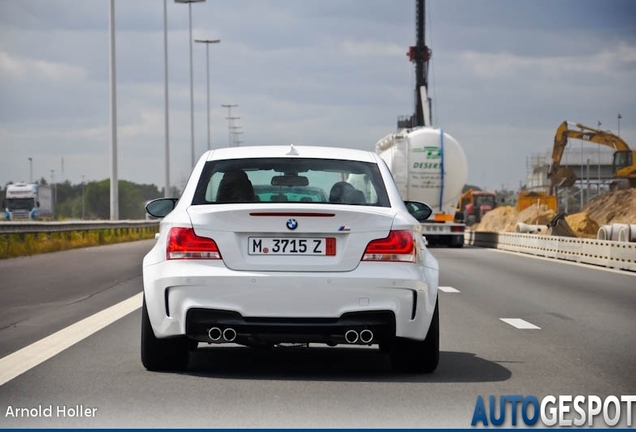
[(607, 62), (372, 49), (23, 69)]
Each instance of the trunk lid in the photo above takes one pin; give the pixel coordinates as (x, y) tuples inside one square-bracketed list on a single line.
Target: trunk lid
[(248, 235)]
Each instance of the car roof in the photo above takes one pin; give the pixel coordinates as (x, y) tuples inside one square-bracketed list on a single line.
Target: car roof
[(291, 151)]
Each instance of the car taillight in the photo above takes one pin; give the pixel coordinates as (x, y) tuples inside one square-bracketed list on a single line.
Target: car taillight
[(183, 243), (457, 228), (398, 246)]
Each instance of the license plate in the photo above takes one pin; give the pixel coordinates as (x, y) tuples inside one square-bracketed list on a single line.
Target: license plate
[(319, 246)]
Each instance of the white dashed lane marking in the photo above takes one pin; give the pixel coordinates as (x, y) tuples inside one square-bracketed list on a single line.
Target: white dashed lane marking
[(520, 324), (448, 289)]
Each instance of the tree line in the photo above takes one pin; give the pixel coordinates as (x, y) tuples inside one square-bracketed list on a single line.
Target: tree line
[(91, 200)]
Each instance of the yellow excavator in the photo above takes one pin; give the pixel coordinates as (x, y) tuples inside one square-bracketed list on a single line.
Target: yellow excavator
[(623, 162)]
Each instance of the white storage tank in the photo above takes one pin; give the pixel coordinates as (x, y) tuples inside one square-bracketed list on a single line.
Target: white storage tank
[(428, 165)]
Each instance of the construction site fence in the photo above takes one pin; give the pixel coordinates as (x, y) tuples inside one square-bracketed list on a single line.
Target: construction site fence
[(611, 254)]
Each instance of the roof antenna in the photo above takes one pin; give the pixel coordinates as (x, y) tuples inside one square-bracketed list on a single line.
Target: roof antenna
[(292, 151)]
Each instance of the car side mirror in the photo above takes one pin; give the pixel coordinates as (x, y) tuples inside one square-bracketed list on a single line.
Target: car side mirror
[(160, 207), (419, 210)]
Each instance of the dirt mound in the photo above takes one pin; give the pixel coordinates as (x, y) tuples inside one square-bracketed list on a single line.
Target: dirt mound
[(506, 218), (582, 225), (613, 207), (496, 219), (536, 215)]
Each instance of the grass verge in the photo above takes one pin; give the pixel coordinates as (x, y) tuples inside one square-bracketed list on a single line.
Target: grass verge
[(26, 244)]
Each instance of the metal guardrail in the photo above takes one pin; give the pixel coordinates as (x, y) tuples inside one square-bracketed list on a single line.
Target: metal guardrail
[(612, 254), (18, 227)]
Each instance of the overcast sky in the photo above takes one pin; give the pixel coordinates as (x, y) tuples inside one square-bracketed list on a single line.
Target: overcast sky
[(504, 75)]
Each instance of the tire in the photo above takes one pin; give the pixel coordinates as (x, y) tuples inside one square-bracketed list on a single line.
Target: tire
[(412, 356), (456, 242), (161, 354)]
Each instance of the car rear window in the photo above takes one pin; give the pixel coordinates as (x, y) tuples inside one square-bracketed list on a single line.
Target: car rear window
[(297, 180)]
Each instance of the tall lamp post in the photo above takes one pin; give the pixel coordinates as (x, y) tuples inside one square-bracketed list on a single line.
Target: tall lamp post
[(166, 192), (30, 170), (189, 2), (207, 70), (83, 186), (619, 123), (236, 131), (237, 142), (230, 126), (114, 183), (54, 193)]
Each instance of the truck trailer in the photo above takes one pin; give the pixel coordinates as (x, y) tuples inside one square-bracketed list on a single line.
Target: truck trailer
[(429, 166), (25, 201)]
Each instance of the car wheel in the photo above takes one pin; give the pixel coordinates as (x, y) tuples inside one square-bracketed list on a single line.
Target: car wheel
[(161, 354), (412, 356), (456, 242)]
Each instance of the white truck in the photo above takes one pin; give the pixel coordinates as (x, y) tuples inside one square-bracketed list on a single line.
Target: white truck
[(430, 166), (25, 201)]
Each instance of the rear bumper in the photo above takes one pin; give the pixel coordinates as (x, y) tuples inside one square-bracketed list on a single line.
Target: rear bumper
[(256, 330), (289, 307)]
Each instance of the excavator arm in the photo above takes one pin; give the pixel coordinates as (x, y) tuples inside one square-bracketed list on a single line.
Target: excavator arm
[(561, 176)]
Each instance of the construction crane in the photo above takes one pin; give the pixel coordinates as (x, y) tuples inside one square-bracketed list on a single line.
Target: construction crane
[(623, 163), (419, 54)]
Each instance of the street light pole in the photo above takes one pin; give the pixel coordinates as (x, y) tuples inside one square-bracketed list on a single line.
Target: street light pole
[(54, 193), (230, 126), (189, 2), (166, 192), (114, 190), (207, 71), (619, 123), (83, 183), (229, 118), (30, 170), (237, 142)]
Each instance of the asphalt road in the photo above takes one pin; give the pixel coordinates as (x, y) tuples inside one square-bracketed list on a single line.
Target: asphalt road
[(584, 344)]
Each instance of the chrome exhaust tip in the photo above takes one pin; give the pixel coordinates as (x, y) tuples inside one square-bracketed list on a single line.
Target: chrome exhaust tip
[(366, 336), (229, 334), (351, 336), (215, 333)]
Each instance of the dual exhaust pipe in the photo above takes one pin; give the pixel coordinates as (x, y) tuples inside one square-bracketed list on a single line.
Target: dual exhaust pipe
[(228, 335), (365, 336)]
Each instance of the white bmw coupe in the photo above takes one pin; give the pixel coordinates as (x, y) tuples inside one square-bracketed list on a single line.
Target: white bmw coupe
[(273, 245)]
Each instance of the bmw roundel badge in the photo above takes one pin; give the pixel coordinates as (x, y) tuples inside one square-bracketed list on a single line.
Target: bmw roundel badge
[(292, 224)]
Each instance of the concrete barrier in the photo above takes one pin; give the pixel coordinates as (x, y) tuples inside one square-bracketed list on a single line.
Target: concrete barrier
[(606, 253)]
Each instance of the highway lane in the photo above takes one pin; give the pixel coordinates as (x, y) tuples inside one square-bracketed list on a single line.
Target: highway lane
[(583, 346), (45, 293)]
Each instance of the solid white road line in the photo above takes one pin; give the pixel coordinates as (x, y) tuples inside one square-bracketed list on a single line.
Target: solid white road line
[(17, 363), (520, 324), (448, 289)]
